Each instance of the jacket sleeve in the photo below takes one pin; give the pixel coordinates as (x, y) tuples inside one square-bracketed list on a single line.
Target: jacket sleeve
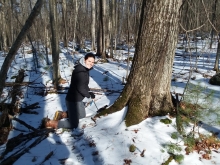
[(82, 81)]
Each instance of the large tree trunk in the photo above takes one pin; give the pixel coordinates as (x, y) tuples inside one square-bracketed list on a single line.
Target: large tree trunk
[(147, 92), (12, 52)]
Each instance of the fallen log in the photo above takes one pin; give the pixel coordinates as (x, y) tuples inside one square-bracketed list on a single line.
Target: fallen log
[(14, 157), (11, 84), (9, 108), (29, 84), (23, 138), (28, 108), (105, 90), (25, 124)]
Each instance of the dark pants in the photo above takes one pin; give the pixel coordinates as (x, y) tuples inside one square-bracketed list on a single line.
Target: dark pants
[(76, 111)]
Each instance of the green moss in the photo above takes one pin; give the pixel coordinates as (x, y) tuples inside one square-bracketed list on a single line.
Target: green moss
[(105, 111), (166, 121), (134, 114), (118, 105), (132, 148)]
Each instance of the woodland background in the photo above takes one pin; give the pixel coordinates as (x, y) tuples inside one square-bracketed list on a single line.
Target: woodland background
[(109, 26)]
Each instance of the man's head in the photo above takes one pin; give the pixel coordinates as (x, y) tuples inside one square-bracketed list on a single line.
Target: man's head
[(89, 60)]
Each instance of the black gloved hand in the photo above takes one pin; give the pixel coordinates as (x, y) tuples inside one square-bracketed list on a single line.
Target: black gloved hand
[(92, 95)]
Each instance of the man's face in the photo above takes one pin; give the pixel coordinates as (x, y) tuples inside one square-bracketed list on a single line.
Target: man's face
[(89, 62)]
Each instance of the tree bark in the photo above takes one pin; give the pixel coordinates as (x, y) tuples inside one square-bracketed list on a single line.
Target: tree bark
[(54, 42), (101, 30), (12, 52), (75, 19), (64, 14), (3, 30), (122, 8), (112, 27), (216, 66), (93, 47), (147, 92), (214, 6), (16, 88)]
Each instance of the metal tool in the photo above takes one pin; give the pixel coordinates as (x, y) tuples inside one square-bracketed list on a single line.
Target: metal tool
[(95, 105)]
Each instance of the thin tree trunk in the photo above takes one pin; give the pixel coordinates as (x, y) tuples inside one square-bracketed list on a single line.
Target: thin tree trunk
[(101, 30), (213, 21), (216, 66), (10, 25), (128, 38), (121, 21), (112, 28), (93, 24), (4, 37), (54, 42), (75, 20), (64, 14), (12, 52), (103, 26)]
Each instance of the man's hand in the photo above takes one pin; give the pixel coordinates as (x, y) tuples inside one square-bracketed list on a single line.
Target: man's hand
[(92, 95)]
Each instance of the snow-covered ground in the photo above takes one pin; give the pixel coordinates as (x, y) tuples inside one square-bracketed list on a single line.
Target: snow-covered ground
[(107, 141)]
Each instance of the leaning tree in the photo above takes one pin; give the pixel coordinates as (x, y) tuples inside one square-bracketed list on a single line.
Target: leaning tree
[(147, 92), (17, 43)]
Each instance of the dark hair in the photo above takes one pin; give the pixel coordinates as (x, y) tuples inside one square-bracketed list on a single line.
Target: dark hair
[(89, 55)]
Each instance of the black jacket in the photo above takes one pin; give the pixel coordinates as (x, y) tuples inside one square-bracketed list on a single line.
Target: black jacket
[(79, 88)]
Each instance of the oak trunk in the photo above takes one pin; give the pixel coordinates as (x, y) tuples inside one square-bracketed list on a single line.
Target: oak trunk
[(147, 92)]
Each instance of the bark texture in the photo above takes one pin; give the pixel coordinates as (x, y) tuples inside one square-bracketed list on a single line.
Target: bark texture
[(54, 42), (93, 47), (101, 30), (12, 52), (216, 66), (147, 92)]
